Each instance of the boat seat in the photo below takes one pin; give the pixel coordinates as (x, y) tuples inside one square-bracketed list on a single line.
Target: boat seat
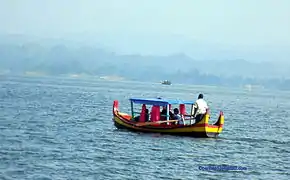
[(155, 113), (182, 109), (143, 113)]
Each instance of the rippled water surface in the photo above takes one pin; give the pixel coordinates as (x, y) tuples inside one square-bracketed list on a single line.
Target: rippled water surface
[(62, 129)]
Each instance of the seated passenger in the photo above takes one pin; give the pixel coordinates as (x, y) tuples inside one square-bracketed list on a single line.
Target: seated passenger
[(163, 114), (147, 115), (171, 115), (177, 116), (137, 118)]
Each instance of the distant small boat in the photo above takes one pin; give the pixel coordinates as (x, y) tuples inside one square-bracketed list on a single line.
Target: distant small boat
[(166, 82), (155, 122)]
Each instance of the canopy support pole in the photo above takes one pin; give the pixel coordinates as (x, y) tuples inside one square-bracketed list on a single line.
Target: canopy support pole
[(132, 110), (167, 113), (191, 114)]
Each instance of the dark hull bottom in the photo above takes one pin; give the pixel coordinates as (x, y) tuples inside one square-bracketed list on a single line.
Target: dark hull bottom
[(191, 134)]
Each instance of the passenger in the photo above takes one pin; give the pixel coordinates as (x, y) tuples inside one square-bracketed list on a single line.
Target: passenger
[(177, 116), (200, 108), (137, 118), (163, 114), (147, 115), (171, 115)]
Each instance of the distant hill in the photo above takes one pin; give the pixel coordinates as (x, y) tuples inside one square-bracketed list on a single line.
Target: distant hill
[(19, 55)]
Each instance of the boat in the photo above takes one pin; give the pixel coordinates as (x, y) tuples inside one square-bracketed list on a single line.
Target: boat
[(139, 121), (166, 82)]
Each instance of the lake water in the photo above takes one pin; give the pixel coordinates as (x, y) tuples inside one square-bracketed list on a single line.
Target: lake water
[(57, 128)]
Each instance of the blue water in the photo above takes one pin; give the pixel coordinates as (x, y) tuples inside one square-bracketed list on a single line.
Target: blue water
[(57, 128)]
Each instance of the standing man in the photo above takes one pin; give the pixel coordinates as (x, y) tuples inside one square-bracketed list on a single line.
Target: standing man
[(200, 108)]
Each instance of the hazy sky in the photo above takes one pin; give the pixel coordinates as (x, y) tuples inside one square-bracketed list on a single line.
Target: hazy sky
[(235, 22)]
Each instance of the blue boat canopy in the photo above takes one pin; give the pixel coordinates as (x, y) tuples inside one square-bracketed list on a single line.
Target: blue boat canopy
[(159, 101)]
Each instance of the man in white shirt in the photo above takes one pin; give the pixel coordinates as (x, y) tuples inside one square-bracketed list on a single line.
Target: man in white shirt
[(200, 108)]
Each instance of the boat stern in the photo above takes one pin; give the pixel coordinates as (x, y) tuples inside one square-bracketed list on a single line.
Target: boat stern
[(213, 130)]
